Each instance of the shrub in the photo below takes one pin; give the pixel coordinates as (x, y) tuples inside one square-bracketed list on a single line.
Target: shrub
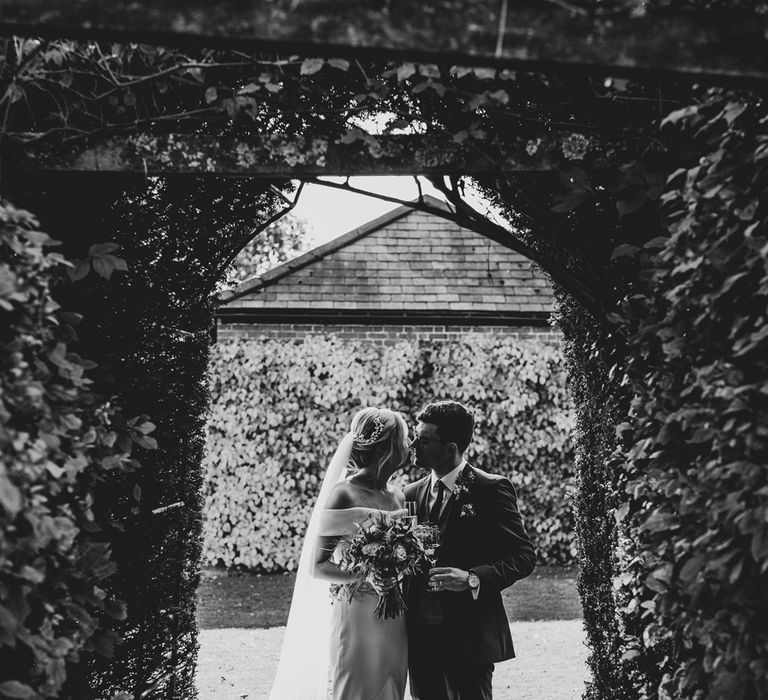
[(58, 439), (279, 409), (694, 521)]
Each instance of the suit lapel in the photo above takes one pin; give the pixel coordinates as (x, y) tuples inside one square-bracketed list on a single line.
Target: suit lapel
[(422, 495), (448, 517)]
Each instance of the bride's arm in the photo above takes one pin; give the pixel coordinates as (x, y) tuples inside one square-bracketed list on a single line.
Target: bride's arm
[(324, 568)]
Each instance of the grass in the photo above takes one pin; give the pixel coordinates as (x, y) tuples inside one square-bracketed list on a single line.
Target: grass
[(247, 601)]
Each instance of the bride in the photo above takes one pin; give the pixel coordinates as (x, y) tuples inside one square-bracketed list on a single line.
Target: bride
[(328, 638)]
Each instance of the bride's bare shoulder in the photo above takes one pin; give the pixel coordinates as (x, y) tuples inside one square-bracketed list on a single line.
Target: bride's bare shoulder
[(341, 496)]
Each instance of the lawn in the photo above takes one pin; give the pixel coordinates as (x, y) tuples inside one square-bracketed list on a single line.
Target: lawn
[(249, 601)]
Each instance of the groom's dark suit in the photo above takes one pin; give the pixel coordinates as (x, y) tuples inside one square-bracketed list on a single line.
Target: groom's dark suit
[(452, 657)]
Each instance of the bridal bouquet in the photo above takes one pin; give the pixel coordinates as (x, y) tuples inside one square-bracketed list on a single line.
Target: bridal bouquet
[(385, 547)]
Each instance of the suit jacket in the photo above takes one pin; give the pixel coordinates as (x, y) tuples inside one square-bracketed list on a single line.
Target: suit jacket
[(481, 530)]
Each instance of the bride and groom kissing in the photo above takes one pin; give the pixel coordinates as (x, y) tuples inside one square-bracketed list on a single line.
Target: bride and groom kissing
[(455, 627)]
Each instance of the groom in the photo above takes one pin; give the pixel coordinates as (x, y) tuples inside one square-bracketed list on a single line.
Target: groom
[(458, 629)]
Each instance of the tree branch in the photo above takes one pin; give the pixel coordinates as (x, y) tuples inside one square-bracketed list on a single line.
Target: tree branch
[(468, 218)]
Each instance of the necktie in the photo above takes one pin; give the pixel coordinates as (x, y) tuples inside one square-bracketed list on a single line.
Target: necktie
[(434, 512)]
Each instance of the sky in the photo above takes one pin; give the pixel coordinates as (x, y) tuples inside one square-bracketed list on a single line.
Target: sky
[(329, 213)]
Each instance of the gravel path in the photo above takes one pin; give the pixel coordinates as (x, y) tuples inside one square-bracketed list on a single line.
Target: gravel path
[(235, 664)]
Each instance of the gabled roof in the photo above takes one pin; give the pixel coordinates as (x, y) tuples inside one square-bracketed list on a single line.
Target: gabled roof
[(404, 264), (321, 251)]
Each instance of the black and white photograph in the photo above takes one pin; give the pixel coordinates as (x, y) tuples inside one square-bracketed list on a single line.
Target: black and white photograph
[(384, 350)]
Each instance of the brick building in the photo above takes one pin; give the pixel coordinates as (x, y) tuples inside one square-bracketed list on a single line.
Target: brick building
[(406, 274)]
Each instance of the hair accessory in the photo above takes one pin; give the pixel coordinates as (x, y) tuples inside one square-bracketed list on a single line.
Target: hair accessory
[(378, 429)]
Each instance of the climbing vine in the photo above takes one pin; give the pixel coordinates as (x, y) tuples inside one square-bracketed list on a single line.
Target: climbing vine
[(643, 201)]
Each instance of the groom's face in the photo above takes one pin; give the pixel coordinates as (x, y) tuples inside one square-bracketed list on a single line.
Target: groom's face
[(430, 452)]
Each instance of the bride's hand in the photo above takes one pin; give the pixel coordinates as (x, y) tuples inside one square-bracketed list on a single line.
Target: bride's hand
[(382, 584)]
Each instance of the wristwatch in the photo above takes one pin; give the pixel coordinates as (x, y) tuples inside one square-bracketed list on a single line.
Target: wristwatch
[(473, 580)]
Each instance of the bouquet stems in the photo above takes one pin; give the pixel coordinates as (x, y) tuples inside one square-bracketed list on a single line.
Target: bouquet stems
[(390, 604)]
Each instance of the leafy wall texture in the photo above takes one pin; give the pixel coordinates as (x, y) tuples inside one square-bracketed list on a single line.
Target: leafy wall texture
[(279, 409), (58, 440)]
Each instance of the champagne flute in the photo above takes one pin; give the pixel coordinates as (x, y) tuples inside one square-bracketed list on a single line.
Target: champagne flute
[(431, 541), (410, 507)]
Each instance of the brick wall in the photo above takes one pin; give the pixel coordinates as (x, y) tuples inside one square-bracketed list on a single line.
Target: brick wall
[(384, 334)]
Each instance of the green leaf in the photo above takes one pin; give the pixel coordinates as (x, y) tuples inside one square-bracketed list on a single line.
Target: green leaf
[(9, 625), (625, 250), (659, 521), (103, 267), (211, 94), (691, 568), (102, 248), (484, 73), (16, 690), (145, 441), (340, 63), (115, 262), (759, 546), (81, 269), (656, 243), (404, 71), (680, 115), (501, 96), (11, 498), (310, 66), (429, 70), (655, 584), (733, 111)]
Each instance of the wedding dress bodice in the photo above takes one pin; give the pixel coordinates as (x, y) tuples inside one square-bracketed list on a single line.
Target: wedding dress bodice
[(341, 521)]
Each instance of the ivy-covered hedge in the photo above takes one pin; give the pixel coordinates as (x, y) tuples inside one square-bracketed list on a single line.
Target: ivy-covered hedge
[(279, 409), (58, 439), (693, 525), (150, 328)]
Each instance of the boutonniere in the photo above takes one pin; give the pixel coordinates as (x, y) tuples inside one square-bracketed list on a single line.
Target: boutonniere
[(461, 492)]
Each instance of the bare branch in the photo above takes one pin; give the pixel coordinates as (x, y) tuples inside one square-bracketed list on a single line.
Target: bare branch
[(466, 217)]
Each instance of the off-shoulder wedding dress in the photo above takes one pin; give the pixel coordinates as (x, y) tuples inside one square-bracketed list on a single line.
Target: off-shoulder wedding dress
[(368, 655), (334, 648)]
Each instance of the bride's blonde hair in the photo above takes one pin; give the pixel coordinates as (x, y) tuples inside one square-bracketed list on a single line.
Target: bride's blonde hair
[(374, 428)]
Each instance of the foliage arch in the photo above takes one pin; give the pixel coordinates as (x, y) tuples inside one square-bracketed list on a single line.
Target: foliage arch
[(598, 179)]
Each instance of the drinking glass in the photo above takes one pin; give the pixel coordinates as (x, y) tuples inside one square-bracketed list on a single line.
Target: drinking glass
[(410, 507), (430, 538)]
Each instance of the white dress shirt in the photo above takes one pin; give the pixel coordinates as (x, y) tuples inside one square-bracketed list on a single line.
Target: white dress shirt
[(449, 481)]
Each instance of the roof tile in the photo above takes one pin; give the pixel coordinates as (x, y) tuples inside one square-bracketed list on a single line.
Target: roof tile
[(405, 262)]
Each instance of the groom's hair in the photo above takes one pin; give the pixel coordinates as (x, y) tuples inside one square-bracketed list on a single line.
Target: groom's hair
[(455, 422)]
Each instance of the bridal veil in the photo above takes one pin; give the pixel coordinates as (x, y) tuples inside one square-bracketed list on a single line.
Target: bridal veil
[(302, 671)]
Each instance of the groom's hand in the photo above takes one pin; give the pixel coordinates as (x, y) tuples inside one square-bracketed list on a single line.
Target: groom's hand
[(448, 578)]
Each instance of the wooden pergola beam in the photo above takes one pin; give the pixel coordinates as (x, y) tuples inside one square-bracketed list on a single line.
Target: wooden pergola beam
[(279, 157), (531, 35)]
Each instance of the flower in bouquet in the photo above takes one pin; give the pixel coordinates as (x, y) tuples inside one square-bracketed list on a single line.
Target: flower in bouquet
[(381, 546)]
